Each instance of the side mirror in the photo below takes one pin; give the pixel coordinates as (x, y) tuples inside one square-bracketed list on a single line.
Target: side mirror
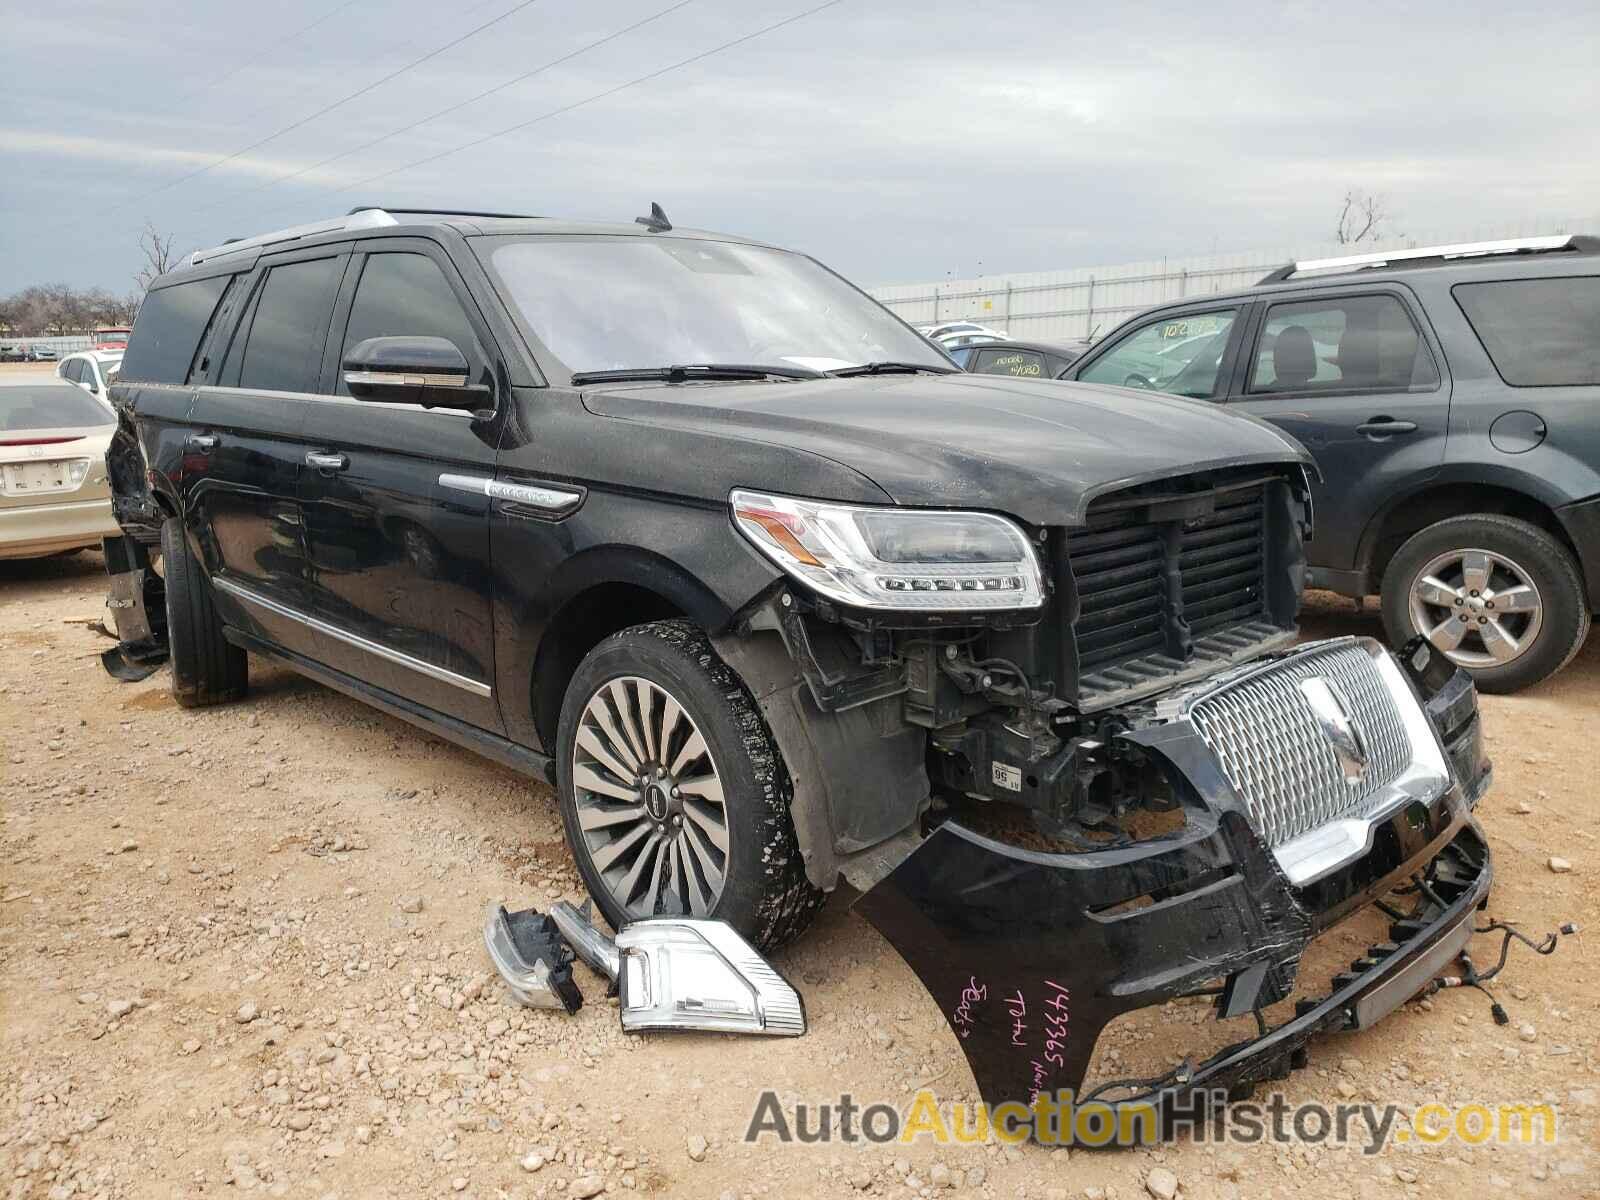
[(430, 371)]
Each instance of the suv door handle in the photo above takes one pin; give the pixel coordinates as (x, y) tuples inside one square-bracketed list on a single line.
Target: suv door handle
[(1383, 427), (201, 441), (326, 462)]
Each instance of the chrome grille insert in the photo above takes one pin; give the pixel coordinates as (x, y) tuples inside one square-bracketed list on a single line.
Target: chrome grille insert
[(1321, 746)]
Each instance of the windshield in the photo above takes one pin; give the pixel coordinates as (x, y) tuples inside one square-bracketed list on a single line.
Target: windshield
[(612, 303), (50, 406)]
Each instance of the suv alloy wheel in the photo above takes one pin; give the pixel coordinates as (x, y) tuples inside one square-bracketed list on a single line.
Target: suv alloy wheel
[(673, 793), (1498, 596)]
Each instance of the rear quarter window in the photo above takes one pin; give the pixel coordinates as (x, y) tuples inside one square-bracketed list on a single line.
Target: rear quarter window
[(1537, 332), (167, 331)]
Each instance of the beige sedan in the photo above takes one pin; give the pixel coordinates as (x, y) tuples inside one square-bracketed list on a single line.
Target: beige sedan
[(54, 497)]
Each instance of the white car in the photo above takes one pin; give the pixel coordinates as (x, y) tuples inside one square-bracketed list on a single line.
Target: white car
[(92, 370), (54, 497), (960, 333)]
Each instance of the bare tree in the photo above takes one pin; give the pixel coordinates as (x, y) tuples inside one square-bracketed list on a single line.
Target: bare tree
[(157, 250), (1363, 217)]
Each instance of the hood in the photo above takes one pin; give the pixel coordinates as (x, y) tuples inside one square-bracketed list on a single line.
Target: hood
[(1037, 450)]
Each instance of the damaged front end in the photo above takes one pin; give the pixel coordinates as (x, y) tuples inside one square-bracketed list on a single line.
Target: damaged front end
[(137, 595), (1303, 787)]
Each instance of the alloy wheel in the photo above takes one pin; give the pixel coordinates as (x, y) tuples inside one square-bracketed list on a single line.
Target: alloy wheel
[(649, 801), (1477, 607)]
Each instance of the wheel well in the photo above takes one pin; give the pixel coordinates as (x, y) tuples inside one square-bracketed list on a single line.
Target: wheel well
[(582, 624), (1418, 511)]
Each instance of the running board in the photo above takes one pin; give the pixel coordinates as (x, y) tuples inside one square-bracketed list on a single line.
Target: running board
[(470, 737)]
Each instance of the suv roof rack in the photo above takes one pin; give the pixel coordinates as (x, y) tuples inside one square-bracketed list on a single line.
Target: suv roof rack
[(1361, 262), (365, 218), (437, 212)]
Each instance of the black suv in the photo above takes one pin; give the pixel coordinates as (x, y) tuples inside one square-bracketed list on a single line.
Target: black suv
[(773, 594), (1451, 397)]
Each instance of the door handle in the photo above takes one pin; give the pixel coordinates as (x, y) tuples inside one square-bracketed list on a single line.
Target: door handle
[(1380, 427), (326, 462), (201, 441)]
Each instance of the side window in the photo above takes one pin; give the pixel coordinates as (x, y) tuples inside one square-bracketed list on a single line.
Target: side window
[(1025, 364), (1538, 332), (961, 354), (217, 324), (283, 345), (73, 371), (1170, 354), (168, 328), (403, 294), (1353, 343)]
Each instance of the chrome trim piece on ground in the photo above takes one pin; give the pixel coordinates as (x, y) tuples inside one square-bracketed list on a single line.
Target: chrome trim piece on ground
[(554, 501), (250, 596), (592, 946), (680, 973)]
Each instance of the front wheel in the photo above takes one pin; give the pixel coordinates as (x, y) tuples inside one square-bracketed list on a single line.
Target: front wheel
[(673, 793), (1496, 595)]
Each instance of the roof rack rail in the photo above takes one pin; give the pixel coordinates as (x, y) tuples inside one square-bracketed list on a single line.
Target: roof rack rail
[(367, 218), (437, 212), (1359, 262)]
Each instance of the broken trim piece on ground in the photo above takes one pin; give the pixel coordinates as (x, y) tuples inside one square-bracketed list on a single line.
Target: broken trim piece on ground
[(671, 972), (528, 951)]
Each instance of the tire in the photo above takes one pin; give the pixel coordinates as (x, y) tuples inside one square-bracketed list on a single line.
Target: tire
[(763, 891), (1519, 555), (206, 667)]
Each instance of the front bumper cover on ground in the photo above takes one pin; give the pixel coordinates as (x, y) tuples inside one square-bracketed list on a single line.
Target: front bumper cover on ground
[(1031, 954), (1028, 967)]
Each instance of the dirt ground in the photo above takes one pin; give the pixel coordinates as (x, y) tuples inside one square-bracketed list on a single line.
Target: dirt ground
[(240, 951)]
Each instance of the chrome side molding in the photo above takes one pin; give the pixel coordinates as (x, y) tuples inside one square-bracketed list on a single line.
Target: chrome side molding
[(256, 600), (545, 500)]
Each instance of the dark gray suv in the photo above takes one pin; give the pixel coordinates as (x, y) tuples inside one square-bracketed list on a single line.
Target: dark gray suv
[(1451, 398)]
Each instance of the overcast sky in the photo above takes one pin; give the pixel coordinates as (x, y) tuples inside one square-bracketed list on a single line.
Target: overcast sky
[(897, 141)]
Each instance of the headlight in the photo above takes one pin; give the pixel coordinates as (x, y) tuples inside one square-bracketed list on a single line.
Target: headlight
[(895, 558)]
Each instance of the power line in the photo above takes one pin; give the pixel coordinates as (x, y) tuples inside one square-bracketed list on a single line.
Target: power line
[(566, 108), (326, 109), (444, 112), (268, 52)]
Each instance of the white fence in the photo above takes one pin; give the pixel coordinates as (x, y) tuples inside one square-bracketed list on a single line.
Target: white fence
[(1086, 302), (61, 345)]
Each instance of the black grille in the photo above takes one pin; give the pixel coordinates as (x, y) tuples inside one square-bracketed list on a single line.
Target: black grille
[(1222, 563), (1119, 567), (1167, 585)]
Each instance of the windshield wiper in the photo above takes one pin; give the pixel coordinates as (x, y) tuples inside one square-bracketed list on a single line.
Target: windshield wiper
[(892, 368), (689, 372)]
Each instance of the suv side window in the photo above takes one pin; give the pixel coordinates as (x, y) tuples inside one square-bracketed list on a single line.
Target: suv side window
[(168, 328), (405, 294), (1025, 364), (1345, 344), (1538, 332), (282, 348), (73, 371), (1178, 354)]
